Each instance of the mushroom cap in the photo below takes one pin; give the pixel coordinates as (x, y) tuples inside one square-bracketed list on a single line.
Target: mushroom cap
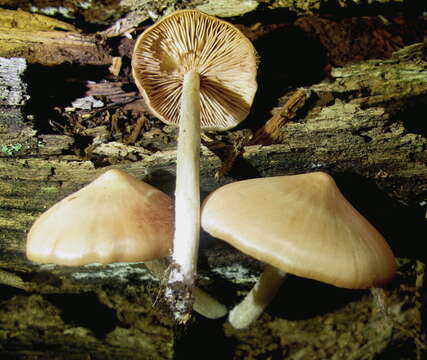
[(115, 218), (303, 225), (191, 40)]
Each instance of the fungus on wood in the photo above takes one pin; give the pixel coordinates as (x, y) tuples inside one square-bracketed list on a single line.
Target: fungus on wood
[(115, 218), (197, 72), (298, 224)]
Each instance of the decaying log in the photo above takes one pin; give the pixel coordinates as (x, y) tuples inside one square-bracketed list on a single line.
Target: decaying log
[(134, 12), (43, 40), (124, 16), (53, 47), (365, 121), (363, 126)]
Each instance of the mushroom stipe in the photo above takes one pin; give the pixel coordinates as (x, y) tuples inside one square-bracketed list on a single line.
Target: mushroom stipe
[(198, 72)]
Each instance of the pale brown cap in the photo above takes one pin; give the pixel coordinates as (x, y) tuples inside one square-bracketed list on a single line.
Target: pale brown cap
[(191, 40), (115, 218), (303, 225)]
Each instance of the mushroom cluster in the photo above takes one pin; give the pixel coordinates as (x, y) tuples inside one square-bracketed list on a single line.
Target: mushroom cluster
[(298, 224), (198, 72)]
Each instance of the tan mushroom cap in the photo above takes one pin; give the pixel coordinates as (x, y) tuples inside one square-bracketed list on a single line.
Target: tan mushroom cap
[(115, 218), (303, 225), (189, 39)]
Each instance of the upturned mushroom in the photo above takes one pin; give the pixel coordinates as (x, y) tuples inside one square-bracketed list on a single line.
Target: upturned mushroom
[(198, 72), (115, 218), (298, 224)]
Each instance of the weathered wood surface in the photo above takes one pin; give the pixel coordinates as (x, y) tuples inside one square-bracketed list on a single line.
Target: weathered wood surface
[(364, 126), (128, 14), (43, 40), (368, 121)]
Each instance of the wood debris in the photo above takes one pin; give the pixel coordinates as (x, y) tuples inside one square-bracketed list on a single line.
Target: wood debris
[(40, 39)]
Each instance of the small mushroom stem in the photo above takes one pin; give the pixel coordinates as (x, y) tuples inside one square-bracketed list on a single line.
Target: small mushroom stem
[(187, 199), (263, 292), (206, 305)]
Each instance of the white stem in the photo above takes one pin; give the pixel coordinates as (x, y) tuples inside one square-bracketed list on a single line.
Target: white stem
[(263, 292), (204, 304), (187, 191)]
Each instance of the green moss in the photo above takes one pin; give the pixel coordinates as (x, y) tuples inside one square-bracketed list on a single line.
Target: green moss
[(11, 149)]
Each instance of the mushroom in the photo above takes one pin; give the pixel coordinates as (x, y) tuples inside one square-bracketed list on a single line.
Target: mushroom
[(115, 218), (198, 72), (298, 224)]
